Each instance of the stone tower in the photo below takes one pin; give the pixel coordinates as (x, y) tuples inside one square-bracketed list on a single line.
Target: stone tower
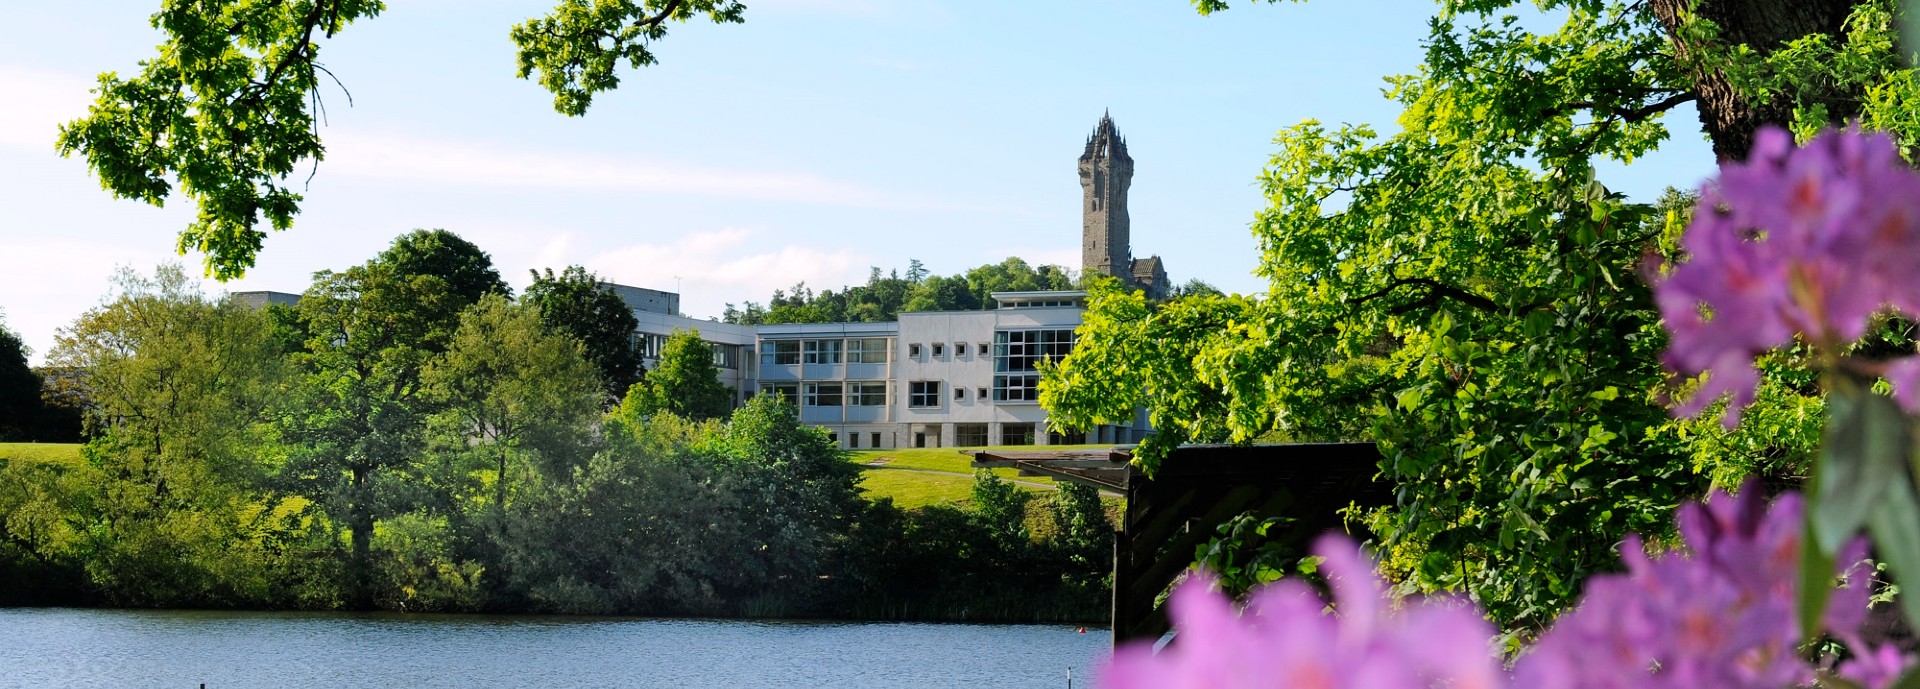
[(1105, 173)]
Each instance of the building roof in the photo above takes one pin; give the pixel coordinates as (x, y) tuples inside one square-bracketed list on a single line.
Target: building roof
[(260, 299)]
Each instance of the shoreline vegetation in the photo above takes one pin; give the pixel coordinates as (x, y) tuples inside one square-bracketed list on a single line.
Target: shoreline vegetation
[(411, 437)]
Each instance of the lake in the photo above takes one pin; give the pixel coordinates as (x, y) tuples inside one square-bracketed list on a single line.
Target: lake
[(63, 647)]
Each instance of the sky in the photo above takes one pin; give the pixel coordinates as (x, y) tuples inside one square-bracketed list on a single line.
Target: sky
[(817, 140)]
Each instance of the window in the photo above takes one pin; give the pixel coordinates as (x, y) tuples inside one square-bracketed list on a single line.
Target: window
[(923, 393), (650, 345), (970, 434), (1016, 361), (725, 356), (1016, 434), (982, 351), (1020, 351), (867, 394), (939, 350), (913, 351), (790, 391), (876, 441), (821, 395), (833, 437), (780, 353), (872, 350), (820, 351), (853, 440), (959, 393), (959, 349), (980, 394), (1023, 387)]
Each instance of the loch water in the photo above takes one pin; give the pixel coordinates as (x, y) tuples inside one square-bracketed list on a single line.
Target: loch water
[(64, 647)]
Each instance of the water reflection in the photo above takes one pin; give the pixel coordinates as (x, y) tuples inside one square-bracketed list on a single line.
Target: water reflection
[(139, 648)]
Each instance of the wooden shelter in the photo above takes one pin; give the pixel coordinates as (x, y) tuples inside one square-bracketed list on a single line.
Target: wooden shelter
[(1197, 488)]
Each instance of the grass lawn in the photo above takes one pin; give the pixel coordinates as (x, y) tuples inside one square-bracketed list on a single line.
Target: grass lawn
[(917, 477), (51, 453)]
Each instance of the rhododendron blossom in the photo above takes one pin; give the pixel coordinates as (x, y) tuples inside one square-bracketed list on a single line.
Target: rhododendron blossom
[(1720, 615), (1286, 639), (1809, 241)]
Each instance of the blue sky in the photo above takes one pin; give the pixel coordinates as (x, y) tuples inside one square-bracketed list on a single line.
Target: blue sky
[(818, 139)]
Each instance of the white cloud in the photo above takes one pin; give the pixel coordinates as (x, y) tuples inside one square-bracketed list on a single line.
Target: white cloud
[(732, 265), (427, 161), (38, 102)]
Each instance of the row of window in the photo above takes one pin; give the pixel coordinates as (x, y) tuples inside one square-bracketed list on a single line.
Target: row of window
[(651, 345), (921, 394), (1049, 303), (867, 350), (1013, 351)]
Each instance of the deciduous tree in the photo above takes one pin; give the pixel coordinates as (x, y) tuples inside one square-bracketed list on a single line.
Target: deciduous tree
[(577, 304), (685, 382)]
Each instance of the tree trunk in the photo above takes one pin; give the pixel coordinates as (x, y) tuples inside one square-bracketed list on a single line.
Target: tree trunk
[(1729, 116), (360, 523)]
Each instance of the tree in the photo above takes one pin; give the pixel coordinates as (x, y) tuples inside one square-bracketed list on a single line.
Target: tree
[(1465, 293), (685, 382), (362, 403), (182, 387), (467, 270), (19, 388), (227, 106), (577, 304), (514, 392)]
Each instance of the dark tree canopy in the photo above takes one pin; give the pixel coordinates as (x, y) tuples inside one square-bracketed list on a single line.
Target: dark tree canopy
[(576, 303), (468, 271), (19, 388)]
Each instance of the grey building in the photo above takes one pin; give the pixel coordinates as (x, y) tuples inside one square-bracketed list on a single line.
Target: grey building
[(260, 300)]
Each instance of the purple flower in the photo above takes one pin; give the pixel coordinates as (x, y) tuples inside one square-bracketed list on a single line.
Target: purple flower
[(1287, 639), (1808, 241), (1721, 616)]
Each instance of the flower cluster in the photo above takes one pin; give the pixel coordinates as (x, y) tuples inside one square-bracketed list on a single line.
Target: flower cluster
[(1286, 640), (1721, 615), (1808, 241)]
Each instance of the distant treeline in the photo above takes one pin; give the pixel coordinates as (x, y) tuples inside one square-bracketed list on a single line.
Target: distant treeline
[(411, 437), (887, 295)]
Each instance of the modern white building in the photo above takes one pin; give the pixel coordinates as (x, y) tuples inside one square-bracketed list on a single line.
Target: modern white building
[(930, 379)]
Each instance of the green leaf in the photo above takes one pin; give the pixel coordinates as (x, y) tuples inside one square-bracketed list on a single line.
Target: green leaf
[(1867, 445), (1911, 680), (1816, 582), (1895, 524)]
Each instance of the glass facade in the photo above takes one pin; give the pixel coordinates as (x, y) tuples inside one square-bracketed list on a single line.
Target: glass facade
[(1016, 361)]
